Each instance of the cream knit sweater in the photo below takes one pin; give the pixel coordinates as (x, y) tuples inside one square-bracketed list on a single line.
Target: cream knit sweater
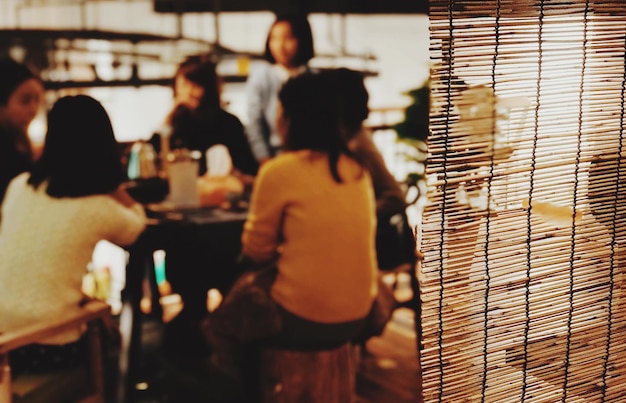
[(45, 246)]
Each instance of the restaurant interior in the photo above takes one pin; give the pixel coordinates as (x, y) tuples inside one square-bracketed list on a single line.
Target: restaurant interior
[(502, 121)]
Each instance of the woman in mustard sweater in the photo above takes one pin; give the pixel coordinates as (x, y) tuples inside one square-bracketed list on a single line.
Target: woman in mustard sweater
[(312, 222), (313, 212)]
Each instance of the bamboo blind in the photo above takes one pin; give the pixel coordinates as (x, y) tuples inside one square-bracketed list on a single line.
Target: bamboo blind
[(523, 284)]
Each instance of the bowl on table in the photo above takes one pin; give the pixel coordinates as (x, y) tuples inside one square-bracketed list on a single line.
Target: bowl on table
[(148, 190)]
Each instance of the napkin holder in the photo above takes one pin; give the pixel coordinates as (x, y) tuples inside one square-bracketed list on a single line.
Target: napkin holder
[(182, 171)]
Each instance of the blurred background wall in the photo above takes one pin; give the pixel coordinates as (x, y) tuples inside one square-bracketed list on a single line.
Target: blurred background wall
[(394, 47)]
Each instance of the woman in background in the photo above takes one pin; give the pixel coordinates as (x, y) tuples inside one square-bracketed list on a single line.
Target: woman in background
[(288, 49), (197, 120), (395, 243), (352, 99), (52, 219), (21, 94)]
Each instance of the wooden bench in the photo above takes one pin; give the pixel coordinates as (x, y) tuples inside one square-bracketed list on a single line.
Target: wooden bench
[(76, 384), (324, 376)]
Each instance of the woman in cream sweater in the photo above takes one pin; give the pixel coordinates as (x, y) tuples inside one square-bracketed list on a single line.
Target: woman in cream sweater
[(52, 219)]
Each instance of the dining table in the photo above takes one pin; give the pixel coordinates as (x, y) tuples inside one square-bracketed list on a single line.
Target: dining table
[(208, 239)]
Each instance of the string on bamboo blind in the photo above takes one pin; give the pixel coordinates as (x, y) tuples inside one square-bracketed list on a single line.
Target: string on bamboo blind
[(523, 278)]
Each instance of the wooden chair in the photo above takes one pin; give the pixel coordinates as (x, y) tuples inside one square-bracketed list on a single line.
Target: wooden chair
[(317, 376), (79, 384)]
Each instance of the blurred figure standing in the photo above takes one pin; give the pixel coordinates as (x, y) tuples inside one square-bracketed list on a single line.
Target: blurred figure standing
[(288, 49)]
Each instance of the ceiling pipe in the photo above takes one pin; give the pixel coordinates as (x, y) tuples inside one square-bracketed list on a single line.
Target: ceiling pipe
[(217, 8), (179, 9)]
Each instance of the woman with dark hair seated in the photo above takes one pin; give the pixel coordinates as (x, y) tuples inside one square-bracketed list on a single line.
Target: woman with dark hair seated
[(312, 222), (352, 98), (197, 120), (21, 95), (395, 242), (52, 219)]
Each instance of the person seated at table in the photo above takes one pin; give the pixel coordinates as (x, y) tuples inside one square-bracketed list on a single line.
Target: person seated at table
[(312, 221), (197, 120), (393, 248), (53, 217), (395, 244), (352, 99), (21, 95)]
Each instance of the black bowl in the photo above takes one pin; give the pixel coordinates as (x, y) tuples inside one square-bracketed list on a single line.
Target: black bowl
[(148, 190)]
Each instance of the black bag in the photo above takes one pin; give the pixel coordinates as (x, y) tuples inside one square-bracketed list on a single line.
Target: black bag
[(395, 242), (248, 312), (381, 312)]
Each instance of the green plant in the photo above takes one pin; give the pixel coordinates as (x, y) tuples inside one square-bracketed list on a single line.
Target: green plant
[(413, 131), (415, 123)]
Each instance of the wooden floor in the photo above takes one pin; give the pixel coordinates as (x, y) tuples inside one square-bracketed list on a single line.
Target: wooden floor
[(390, 370)]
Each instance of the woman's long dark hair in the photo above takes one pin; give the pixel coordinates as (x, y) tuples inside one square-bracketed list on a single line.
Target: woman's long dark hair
[(301, 30), (309, 104), (351, 97), (81, 156)]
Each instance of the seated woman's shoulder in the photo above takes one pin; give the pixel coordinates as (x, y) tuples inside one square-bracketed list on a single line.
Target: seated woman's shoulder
[(12, 188), (305, 162), (285, 163), (290, 158), (21, 178), (229, 119)]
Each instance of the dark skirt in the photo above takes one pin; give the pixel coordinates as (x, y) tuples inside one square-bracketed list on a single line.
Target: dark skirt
[(249, 314)]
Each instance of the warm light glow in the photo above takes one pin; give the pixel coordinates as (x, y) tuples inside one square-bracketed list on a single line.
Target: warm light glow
[(37, 130)]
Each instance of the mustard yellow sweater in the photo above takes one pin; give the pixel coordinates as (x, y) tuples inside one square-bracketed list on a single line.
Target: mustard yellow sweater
[(322, 233)]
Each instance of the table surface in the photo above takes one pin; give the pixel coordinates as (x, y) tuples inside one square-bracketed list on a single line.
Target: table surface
[(159, 214)]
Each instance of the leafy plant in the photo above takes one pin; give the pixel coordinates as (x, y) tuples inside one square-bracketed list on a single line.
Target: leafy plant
[(415, 124), (413, 131)]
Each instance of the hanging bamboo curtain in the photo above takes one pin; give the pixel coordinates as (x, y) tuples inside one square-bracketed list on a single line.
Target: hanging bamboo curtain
[(523, 284)]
